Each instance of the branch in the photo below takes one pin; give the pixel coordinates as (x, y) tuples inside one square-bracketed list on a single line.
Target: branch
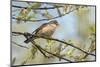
[(64, 43), (45, 19), (33, 42), (58, 10), (20, 45), (18, 33), (55, 40), (40, 49), (91, 50), (50, 52)]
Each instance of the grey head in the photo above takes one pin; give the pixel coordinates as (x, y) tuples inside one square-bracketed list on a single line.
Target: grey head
[(54, 22)]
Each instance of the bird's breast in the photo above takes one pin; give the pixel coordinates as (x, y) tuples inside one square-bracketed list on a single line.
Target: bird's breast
[(46, 31), (48, 28)]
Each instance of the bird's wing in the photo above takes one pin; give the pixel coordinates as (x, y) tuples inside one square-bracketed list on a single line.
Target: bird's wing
[(41, 27)]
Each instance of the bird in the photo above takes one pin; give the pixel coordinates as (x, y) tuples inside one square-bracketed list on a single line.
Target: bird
[(45, 30)]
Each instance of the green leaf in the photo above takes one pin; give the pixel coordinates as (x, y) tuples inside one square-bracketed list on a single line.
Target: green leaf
[(33, 51), (50, 42), (47, 14), (69, 52), (35, 5)]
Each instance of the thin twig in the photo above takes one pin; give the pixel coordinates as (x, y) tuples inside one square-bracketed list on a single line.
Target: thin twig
[(86, 55), (19, 45), (37, 8), (58, 10)]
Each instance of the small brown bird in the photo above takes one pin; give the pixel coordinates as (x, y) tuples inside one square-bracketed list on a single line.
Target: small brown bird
[(45, 30)]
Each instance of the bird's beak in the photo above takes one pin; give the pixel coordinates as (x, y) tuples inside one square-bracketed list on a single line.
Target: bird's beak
[(57, 24)]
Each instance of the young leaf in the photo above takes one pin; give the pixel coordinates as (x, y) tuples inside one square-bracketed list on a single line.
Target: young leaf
[(69, 52), (35, 5), (65, 8), (47, 14)]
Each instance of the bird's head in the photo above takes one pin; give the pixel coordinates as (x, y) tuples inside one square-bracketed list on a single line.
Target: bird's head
[(54, 22)]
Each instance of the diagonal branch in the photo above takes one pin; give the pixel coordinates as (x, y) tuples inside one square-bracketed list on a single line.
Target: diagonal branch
[(41, 50), (33, 42), (19, 45), (53, 54), (55, 40)]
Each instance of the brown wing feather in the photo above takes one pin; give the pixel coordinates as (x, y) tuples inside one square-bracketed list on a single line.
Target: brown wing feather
[(41, 27)]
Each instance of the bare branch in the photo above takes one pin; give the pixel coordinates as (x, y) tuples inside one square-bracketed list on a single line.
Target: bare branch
[(58, 10), (37, 8), (46, 19), (55, 40), (20, 45), (33, 42), (51, 53)]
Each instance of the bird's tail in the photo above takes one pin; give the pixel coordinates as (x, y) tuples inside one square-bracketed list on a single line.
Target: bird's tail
[(29, 37), (27, 41)]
